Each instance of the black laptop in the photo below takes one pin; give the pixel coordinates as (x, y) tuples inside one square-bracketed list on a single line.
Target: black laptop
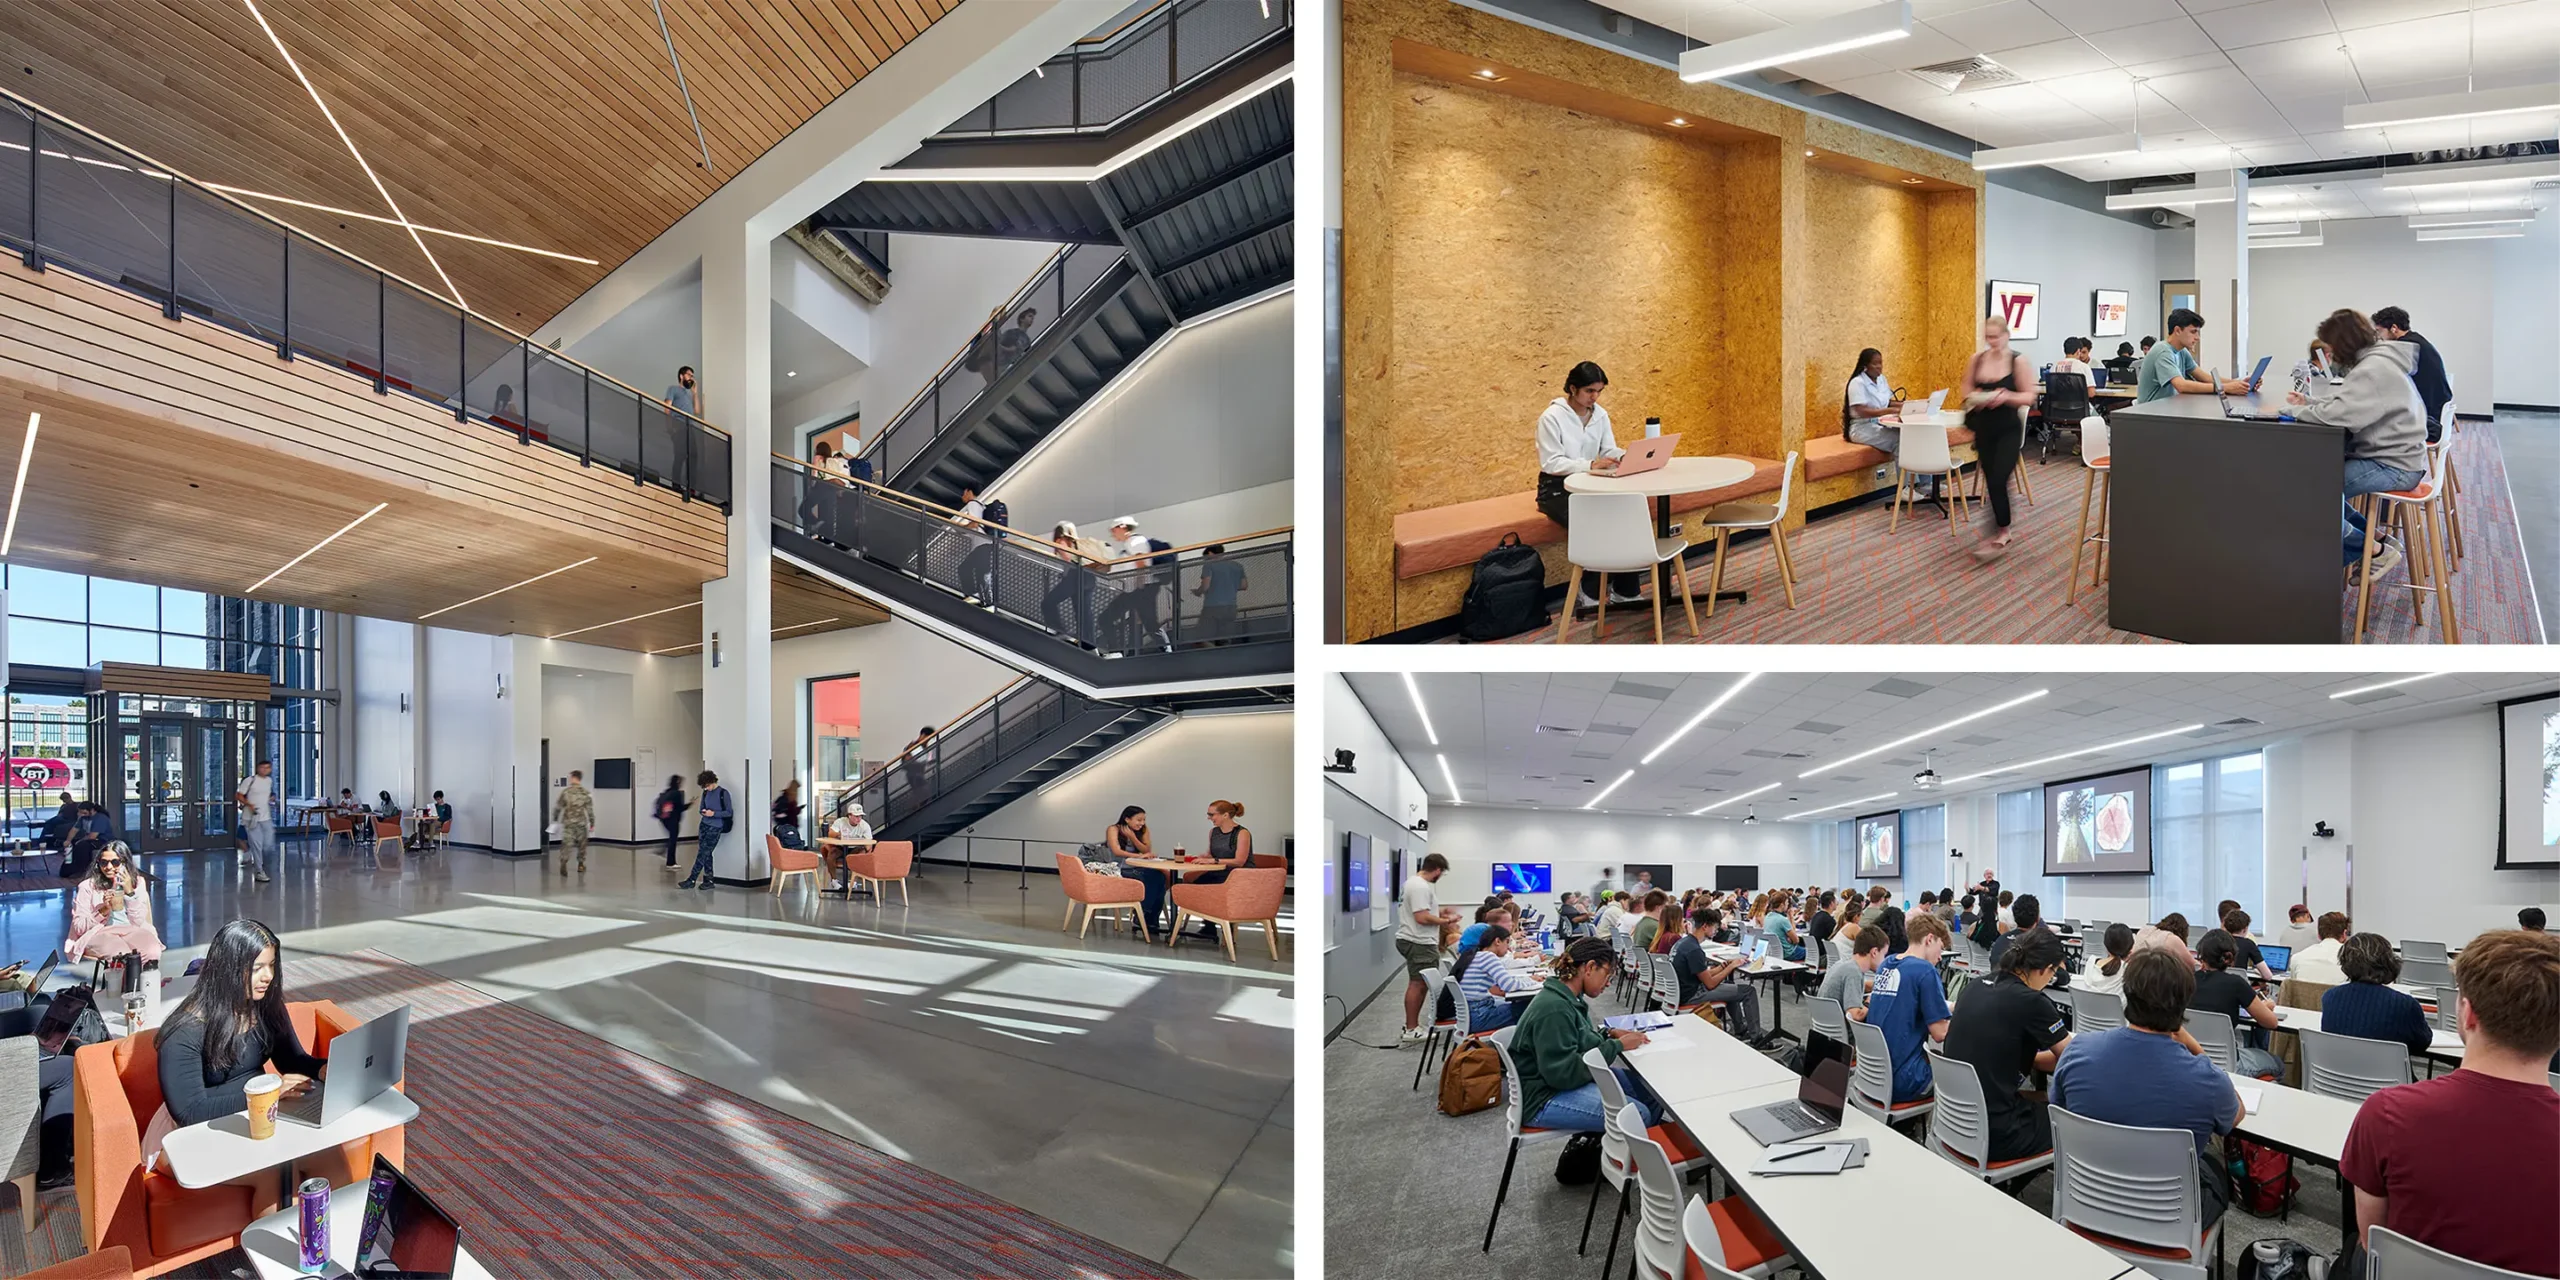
[(412, 1239)]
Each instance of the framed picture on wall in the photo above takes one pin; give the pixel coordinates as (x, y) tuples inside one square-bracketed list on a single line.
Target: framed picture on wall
[(2021, 303), (2110, 310)]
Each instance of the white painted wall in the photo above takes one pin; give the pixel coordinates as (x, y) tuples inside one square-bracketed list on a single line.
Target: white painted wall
[(1209, 411), (2070, 252), (911, 678), (1173, 772), (1380, 800), (470, 731), (1474, 837), (592, 703), (587, 715), (2448, 287), (386, 743), (2525, 314)]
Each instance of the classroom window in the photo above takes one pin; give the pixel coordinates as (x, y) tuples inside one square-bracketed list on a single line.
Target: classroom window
[(2018, 851), (1924, 850), (2208, 837)]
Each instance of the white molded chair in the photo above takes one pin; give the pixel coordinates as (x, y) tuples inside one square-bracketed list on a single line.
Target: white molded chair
[(2133, 1192), (1613, 533), (2421, 949), (1924, 452), (1723, 1234), (2096, 1011), (1728, 518), (1960, 1128), (1445, 1033), (1521, 1133), (2099, 487), (1658, 1249), (2350, 1067), (1616, 1163), (2393, 1256), (2450, 425), (1829, 1018), (1871, 1079), (2214, 1032)]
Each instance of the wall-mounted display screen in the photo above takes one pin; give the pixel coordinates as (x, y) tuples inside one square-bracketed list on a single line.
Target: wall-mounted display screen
[(1524, 877), (1880, 846), (1641, 876), (2529, 747), (1744, 878), (2099, 825), (1355, 872)]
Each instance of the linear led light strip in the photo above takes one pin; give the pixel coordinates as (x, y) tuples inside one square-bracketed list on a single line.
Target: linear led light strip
[(1855, 29), (1415, 691), (18, 489), (342, 532), (1730, 799), (1842, 805), (2522, 100), (1915, 737), (2389, 684), (2103, 746), (1604, 791), (2432, 221), (2472, 233), (1450, 778), (797, 626), (509, 587), (689, 604), (1701, 718), (361, 163)]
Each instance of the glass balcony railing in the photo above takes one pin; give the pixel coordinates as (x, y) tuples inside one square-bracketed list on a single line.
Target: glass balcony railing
[(1103, 80), (1173, 601), (999, 345), (73, 200)]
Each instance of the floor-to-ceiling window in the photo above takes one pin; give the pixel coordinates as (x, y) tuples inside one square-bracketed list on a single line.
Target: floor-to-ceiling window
[(2209, 836)]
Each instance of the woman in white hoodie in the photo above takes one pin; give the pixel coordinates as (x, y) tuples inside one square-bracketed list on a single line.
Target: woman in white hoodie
[(2385, 422)]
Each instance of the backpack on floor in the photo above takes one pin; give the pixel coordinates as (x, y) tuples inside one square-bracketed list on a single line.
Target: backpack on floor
[(1579, 1164), (2261, 1178), (2280, 1258), (1504, 597), (1471, 1079)]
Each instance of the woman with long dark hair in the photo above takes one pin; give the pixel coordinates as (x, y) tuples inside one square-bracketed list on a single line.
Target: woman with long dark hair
[(1865, 399), (227, 1030), (1129, 838), (110, 914), (1488, 983), (2108, 979)]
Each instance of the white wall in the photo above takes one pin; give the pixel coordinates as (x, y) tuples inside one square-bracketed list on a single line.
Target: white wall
[(592, 703), (940, 290), (2446, 286), (2070, 252), (1380, 800), (1173, 771), (385, 729), (1209, 411), (586, 716), (2525, 314), (1474, 837), (470, 731), (911, 678)]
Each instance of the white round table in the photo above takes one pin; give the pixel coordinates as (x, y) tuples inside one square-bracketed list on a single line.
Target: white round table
[(1658, 487)]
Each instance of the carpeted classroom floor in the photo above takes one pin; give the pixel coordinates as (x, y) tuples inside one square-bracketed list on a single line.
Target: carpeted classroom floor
[(1407, 1189), (1921, 584)]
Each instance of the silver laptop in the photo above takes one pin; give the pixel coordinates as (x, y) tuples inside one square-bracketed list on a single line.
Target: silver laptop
[(1647, 454), (363, 1063), (1814, 1110), (2237, 414)]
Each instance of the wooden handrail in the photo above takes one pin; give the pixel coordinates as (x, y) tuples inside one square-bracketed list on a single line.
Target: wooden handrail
[(288, 228), (1037, 539)]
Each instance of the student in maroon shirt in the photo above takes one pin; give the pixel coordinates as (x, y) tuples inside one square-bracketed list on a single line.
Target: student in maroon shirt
[(2470, 1162)]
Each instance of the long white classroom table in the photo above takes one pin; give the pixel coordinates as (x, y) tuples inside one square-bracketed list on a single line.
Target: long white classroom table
[(2304, 1124), (2448, 1044), (1833, 1224)]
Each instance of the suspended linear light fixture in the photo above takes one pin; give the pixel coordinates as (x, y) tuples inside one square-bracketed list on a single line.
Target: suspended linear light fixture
[(1852, 30)]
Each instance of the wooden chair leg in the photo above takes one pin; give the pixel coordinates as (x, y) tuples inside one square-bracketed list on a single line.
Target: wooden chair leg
[(1271, 934), (1715, 574), (1070, 917), (903, 899), (1146, 932), (1088, 921), (2364, 576), (1227, 938), (1173, 938), (1687, 600), (1600, 623), (1901, 486), (1786, 562), (2438, 561), (26, 1202), (2106, 494), (1572, 592), (1656, 593), (2088, 497)]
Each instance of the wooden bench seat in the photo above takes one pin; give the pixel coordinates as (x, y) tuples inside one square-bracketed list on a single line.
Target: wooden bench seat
[(1456, 535)]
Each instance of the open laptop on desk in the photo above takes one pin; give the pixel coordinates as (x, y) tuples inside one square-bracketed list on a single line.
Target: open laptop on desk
[(1924, 409), (1814, 1110), (363, 1064), (412, 1239), (2278, 958), (1646, 455), (2242, 415)]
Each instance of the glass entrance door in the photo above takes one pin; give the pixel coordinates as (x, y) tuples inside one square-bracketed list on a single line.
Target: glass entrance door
[(182, 786)]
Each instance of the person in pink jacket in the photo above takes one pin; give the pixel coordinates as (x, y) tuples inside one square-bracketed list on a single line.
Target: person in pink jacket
[(110, 916)]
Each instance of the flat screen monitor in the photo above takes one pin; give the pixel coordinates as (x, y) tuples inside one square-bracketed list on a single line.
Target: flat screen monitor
[(1355, 874), (1641, 876), (2529, 782), (2099, 825), (1524, 877), (1880, 846), (1746, 878)]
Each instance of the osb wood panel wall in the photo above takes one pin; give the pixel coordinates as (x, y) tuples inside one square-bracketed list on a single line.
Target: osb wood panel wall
[(1875, 242), (1525, 238)]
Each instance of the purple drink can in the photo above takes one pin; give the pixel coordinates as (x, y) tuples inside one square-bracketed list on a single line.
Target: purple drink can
[(313, 1197)]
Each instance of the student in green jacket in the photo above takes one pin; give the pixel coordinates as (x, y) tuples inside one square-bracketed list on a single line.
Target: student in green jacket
[(1556, 1089)]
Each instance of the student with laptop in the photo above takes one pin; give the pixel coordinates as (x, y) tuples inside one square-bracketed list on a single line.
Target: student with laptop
[(1574, 437), (1866, 399), (2007, 1030), (2386, 426), (2435, 390), (2150, 1073), (1487, 982), (229, 1027), (2169, 368), (2075, 359), (1909, 1004), (1704, 982), (2236, 923), (1847, 983)]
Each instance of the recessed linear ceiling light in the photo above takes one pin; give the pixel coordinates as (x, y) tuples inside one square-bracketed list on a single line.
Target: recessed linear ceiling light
[(342, 532), (2063, 152), (2473, 233), (801, 626), (18, 488), (1450, 778), (1842, 805), (2388, 684), (1701, 717), (507, 588), (1730, 799), (2522, 100), (2103, 746), (1931, 731), (689, 604), (2433, 221), (1799, 42), (1913, 182), (1415, 692), (1604, 791)]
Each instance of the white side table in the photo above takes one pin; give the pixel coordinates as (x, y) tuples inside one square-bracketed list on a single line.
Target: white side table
[(274, 1246), (221, 1150)]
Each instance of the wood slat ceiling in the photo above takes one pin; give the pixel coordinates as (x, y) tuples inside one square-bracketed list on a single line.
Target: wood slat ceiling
[(553, 123)]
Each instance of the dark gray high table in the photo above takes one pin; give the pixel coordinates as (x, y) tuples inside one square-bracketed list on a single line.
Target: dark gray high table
[(2225, 531)]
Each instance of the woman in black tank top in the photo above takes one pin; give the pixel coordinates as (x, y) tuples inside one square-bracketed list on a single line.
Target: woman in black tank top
[(1998, 388)]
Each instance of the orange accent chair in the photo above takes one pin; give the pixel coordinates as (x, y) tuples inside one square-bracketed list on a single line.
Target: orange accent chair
[(116, 1092), (387, 832), (883, 862), (339, 825), (112, 1263), (1106, 894), (788, 862), (1249, 896)]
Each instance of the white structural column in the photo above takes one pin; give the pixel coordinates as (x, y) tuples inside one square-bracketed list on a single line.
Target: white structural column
[(737, 611), (2222, 272)]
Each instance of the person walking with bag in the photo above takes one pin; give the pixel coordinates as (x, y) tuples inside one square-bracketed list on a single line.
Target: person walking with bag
[(717, 817), (574, 812), (670, 808), (256, 798)]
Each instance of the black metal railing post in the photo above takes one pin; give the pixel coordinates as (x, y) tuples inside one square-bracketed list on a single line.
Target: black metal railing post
[(586, 417), (461, 365), (381, 334), (524, 396), (169, 305), (34, 256), (284, 299)]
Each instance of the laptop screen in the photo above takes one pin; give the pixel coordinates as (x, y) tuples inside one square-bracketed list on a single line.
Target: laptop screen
[(412, 1236), (2277, 957), (1826, 1088)]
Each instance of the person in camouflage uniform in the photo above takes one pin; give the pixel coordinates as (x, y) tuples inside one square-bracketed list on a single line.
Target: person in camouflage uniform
[(575, 811)]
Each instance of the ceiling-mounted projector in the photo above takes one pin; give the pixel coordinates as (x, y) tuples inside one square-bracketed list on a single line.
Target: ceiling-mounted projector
[(1927, 778), (1751, 815)]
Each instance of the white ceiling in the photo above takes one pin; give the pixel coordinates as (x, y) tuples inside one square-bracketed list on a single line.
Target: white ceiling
[(2267, 78), (1554, 740)]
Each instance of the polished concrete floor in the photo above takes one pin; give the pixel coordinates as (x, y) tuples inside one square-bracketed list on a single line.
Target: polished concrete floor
[(2531, 442), (1136, 1094)]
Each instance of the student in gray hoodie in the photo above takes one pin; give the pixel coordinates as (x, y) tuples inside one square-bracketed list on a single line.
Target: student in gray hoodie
[(2386, 424)]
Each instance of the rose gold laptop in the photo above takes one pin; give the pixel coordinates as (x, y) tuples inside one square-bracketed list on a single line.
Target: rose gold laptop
[(1647, 455)]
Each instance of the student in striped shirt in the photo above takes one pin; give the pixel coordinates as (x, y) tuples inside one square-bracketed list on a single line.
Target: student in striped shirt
[(1486, 977)]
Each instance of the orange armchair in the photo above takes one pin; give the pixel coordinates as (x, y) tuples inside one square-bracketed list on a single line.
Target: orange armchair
[(883, 862), (1106, 894), (1249, 896), (788, 862), (114, 1262), (115, 1093)]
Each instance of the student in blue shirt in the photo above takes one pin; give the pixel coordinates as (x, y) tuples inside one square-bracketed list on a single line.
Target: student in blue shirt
[(1488, 981), (1910, 1003), (2366, 1006), (2149, 1073), (717, 817)]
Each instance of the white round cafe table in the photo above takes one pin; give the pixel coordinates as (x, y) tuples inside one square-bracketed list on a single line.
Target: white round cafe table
[(1658, 487)]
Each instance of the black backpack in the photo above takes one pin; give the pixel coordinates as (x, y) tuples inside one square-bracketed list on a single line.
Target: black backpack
[(1163, 561), (1504, 598), (996, 512), (1578, 1165)]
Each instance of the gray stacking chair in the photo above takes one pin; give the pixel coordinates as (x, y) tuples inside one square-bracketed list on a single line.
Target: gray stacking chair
[(2114, 1183), (2351, 1067)]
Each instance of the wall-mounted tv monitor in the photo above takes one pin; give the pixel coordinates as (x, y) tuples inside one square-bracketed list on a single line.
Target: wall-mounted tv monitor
[(1660, 873), (1355, 872), (2099, 825), (1744, 878), (1880, 845), (1524, 877)]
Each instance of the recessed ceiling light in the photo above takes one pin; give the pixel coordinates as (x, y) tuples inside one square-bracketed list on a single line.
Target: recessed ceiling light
[(1842, 805), (1804, 40), (1808, 153), (253, 587), (690, 604), (1490, 76), (1701, 717), (2103, 746), (1604, 791), (791, 373), (1679, 122), (1414, 691), (507, 588), (1931, 731), (1450, 778), (2369, 688), (1913, 182), (1730, 799)]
